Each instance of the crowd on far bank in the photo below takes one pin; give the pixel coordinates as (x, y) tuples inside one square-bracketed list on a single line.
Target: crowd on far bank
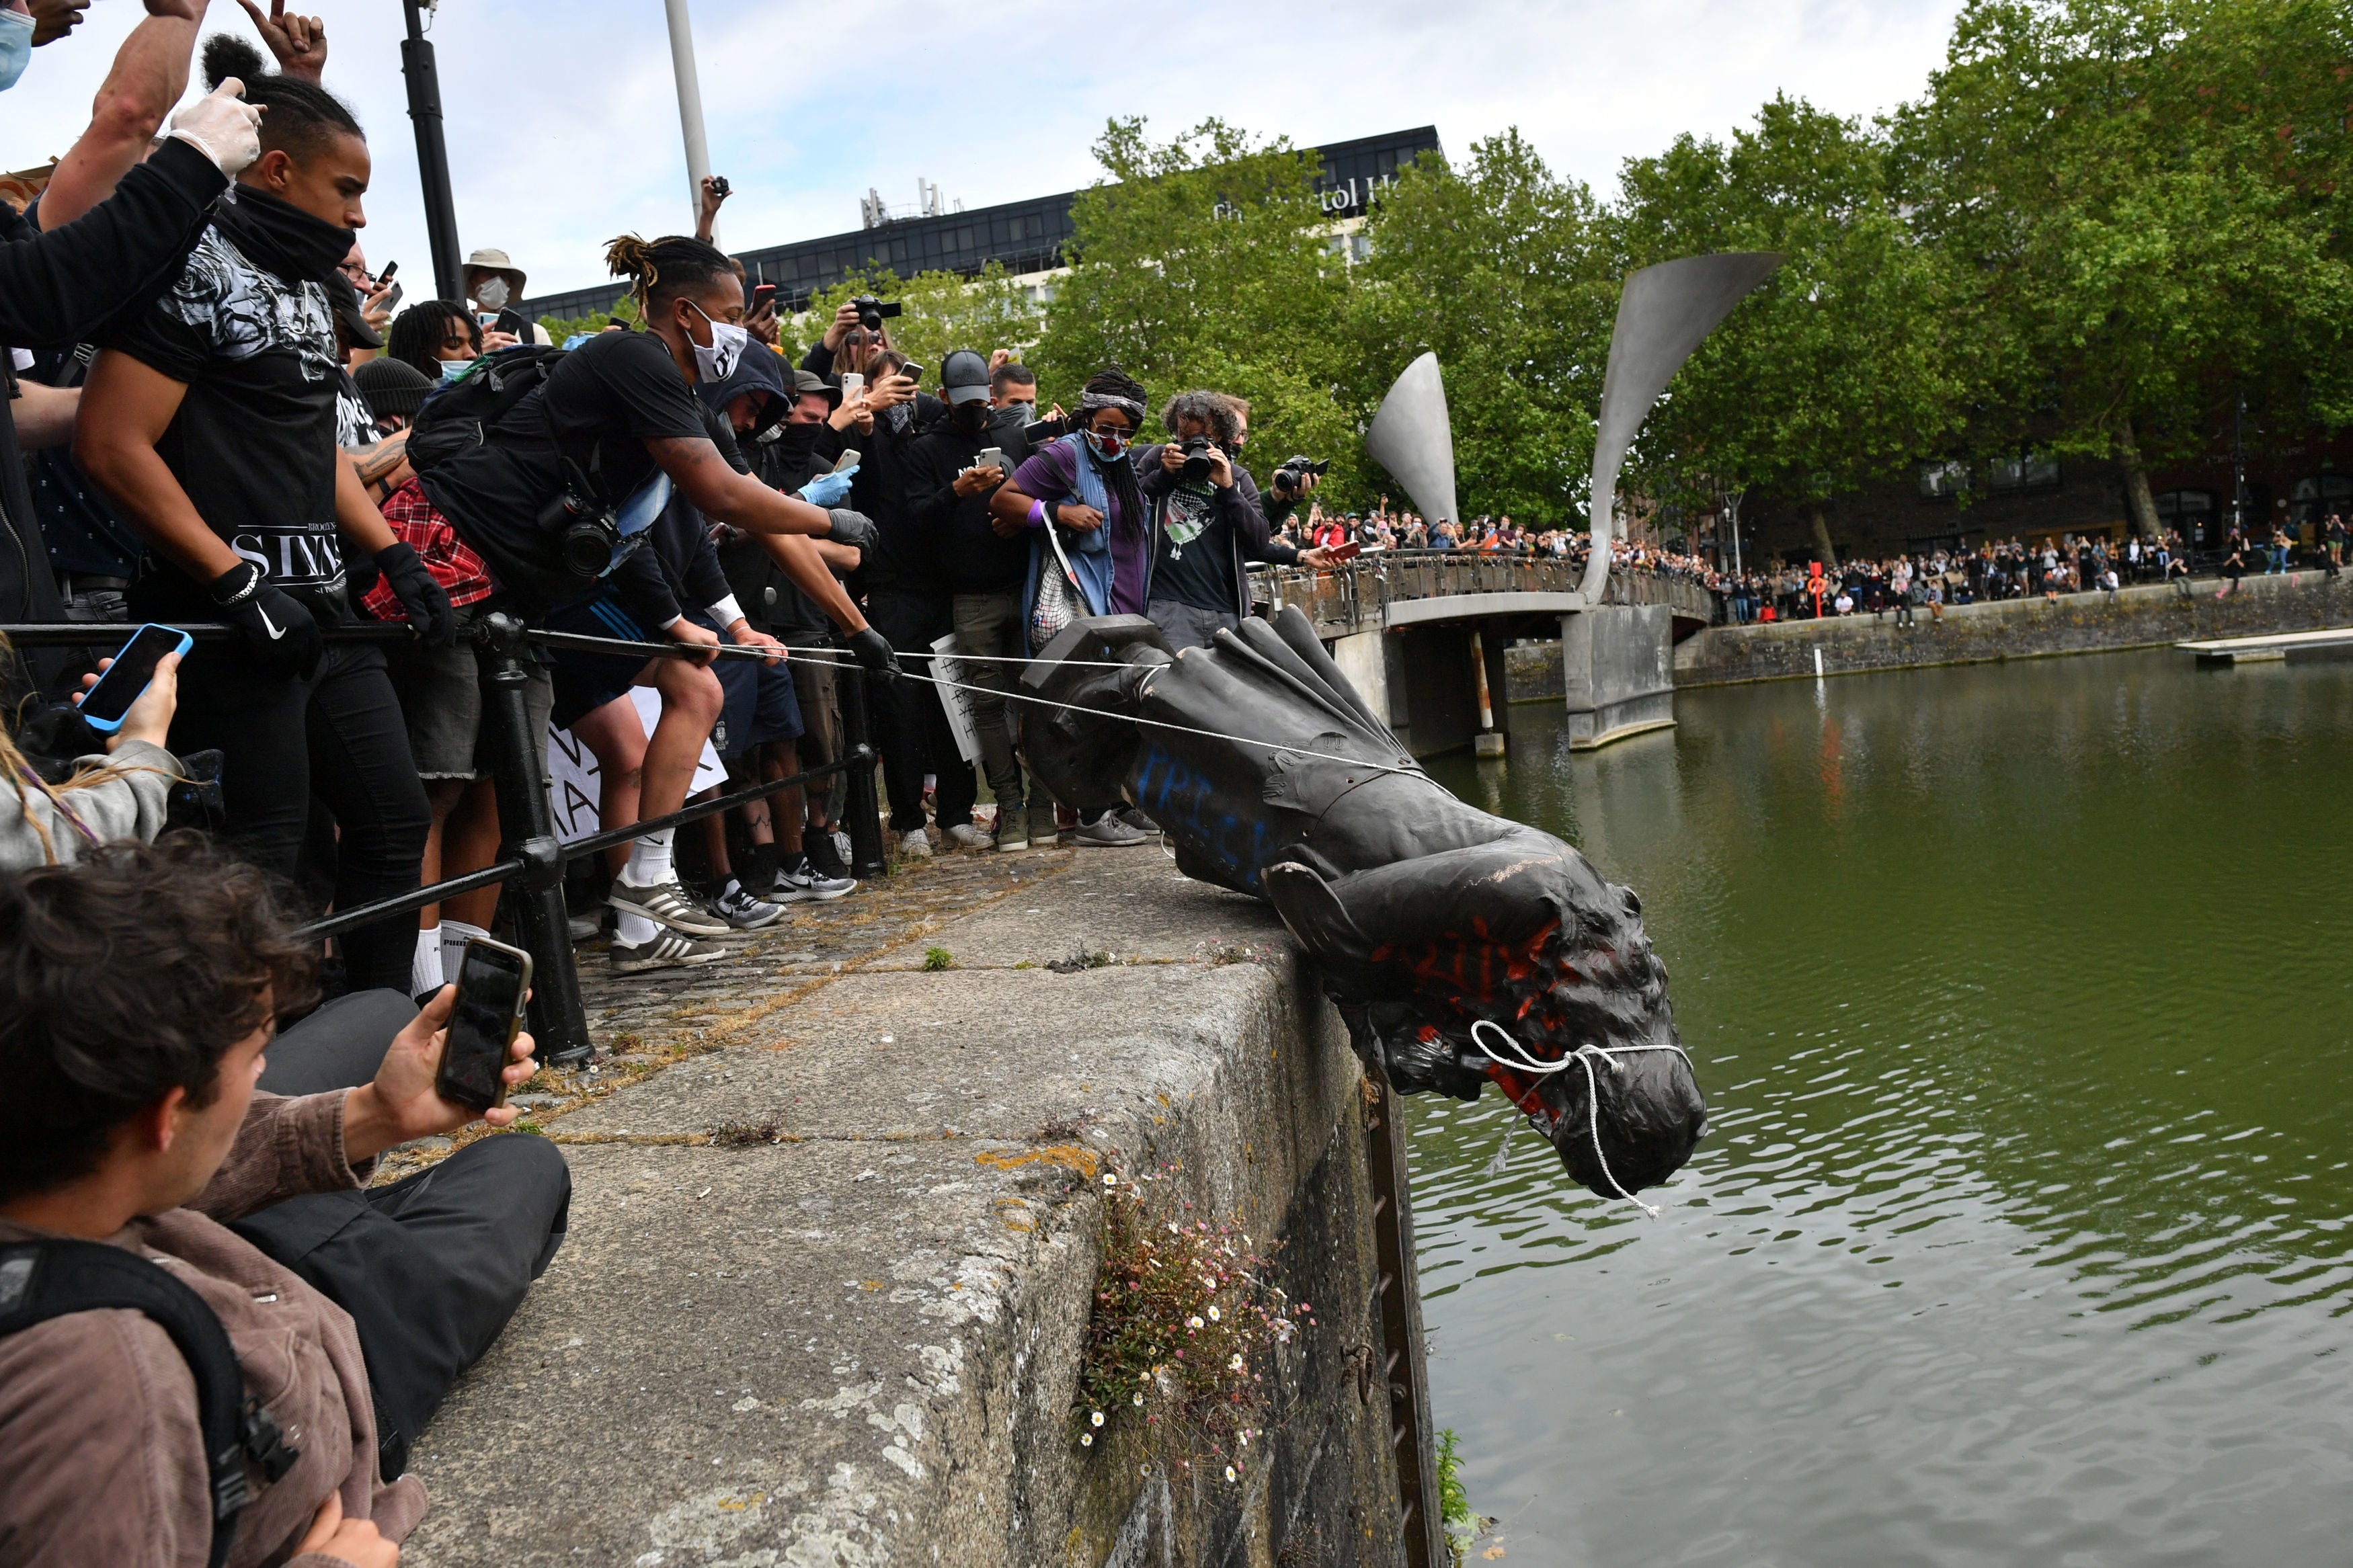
[(1898, 585)]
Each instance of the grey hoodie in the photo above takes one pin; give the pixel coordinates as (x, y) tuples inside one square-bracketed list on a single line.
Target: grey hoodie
[(129, 806)]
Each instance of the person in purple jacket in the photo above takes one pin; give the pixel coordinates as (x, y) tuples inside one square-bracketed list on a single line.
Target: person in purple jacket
[(1084, 486)]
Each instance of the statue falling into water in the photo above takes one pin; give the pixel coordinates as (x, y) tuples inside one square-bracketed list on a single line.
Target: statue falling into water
[(1461, 948)]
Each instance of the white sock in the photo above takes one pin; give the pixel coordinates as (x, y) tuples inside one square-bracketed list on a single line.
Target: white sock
[(649, 861), (633, 928), (455, 935), (424, 968)]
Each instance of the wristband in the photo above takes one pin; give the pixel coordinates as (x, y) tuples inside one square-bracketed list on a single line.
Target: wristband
[(252, 582), (1037, 514)]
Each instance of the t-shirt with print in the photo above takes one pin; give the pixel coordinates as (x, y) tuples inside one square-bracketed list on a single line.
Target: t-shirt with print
[(355, 420), (254, 440), (600, 404), (1197, 550)]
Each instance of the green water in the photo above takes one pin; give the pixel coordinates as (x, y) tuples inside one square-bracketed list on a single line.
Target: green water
[(2023, 1000)]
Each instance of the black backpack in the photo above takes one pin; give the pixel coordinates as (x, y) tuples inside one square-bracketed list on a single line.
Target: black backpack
[(45, 1280), (458, 418)]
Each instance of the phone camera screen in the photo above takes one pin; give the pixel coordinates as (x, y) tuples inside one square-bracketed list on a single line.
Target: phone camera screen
[(128, 675), (481, 1027)]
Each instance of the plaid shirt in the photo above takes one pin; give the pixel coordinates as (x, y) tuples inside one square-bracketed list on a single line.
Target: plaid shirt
[(454, 566)]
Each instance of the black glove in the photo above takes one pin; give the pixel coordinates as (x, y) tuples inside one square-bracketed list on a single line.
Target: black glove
[(424, 600), (278, 631), (854, 528), (873, 650)]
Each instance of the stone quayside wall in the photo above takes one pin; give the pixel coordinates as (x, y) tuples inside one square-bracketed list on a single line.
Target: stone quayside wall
[(2152, 616), (829, 1274)]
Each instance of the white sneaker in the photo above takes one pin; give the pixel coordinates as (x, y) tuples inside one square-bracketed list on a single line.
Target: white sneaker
[(739, 909), (914, 845), (667, 950), (967, 835), (805, 882), (1108, 833), (666, 903)]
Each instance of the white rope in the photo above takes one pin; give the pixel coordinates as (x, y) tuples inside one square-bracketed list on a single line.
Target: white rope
[(975, 658), (1520, 1061)]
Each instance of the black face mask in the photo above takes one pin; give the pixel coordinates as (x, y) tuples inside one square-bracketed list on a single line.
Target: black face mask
[(799, 440), (282, 237), (969, 418)]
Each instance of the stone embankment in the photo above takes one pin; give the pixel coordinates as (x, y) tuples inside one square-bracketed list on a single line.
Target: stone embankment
[(2151, 617), (834, 1235)]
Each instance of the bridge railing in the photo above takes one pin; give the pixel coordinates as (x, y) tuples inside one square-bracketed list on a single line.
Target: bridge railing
[(1354, 596)]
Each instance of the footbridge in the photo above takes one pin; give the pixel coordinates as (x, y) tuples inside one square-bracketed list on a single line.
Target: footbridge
[(1422, 634)]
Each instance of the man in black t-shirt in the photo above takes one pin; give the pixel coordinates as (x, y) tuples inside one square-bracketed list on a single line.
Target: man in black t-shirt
[(210, 421)]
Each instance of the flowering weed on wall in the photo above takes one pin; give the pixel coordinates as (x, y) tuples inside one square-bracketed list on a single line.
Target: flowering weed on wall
[(1187, 1323)]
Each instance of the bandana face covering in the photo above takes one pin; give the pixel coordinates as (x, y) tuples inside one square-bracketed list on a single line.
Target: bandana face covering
[(280, 236)]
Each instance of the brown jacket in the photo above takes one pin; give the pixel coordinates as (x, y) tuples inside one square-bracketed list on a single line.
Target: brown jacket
[(99, 1440)]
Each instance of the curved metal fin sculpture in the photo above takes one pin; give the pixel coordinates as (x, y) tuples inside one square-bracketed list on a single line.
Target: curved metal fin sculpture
[(1411, 437), (1663, 313)]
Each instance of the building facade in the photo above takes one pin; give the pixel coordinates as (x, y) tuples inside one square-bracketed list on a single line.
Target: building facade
[(1026, 238)]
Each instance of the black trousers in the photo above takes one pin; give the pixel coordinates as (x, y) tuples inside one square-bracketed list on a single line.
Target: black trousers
[(910, 728), (341, 734), (429, 1267)]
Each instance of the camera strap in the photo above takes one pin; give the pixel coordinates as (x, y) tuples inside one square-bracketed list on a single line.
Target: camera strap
[(53, 1279)]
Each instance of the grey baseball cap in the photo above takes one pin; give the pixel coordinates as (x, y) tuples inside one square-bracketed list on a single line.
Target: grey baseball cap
[(964, 377)]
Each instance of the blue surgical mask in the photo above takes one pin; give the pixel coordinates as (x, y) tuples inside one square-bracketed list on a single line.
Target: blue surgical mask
[(15, 47), (456, 369)]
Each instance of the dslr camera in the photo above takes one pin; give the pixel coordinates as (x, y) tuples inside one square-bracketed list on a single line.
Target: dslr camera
[(1297, 469), (872, 313), (589, 531), (1196, 458)]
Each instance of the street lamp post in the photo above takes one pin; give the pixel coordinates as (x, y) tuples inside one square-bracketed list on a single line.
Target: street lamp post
[(432, 153), (690, 110)]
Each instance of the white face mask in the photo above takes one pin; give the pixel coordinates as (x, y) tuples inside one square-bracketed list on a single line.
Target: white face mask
[(717, 361), (492, 294)]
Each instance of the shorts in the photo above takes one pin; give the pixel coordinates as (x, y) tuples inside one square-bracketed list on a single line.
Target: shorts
[(587, 682), (757, 701), (442, 704)]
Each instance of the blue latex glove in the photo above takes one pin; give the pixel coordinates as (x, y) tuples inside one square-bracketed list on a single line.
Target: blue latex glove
[(825, 489)]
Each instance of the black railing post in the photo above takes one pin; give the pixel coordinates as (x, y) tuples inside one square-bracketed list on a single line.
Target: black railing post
[(527, 829), (863, 806)]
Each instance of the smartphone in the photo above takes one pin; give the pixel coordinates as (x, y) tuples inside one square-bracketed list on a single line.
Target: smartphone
[(1045, 430), (990, 458), (1347, 551), (850, 460), (911, 371), (492, 981), (106, 705), (384, 277), (762, 293), (852, 383), (392, 298)]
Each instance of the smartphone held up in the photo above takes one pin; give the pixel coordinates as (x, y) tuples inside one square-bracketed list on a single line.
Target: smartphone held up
[(493, 980), (106, 705)]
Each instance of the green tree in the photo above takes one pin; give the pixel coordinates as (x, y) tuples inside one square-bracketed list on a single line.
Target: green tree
[(1208, 261), (1506, 272), (1837, 369), (2150, 196)]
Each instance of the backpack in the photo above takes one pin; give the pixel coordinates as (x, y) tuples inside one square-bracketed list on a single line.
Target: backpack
[(458, 417), (45, 1280)]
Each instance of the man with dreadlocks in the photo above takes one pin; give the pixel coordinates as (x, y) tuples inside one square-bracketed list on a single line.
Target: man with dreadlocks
[(617, 418), (1090, 535)]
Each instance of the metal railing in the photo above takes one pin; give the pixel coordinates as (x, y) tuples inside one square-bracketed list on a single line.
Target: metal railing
[(1355, 595), (531, 859)]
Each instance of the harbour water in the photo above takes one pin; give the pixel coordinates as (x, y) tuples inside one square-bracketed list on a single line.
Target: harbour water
[(2023, 998)]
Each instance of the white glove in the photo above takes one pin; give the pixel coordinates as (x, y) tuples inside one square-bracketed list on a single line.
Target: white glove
[(223, 127)]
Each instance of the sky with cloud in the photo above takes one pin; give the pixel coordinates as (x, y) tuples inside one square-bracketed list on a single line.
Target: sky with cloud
[(563, 120)]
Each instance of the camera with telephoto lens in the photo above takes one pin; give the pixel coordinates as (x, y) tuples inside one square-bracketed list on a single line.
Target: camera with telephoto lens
[(872, 312), (1297, 469), (587, 532), (1196, 458)]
